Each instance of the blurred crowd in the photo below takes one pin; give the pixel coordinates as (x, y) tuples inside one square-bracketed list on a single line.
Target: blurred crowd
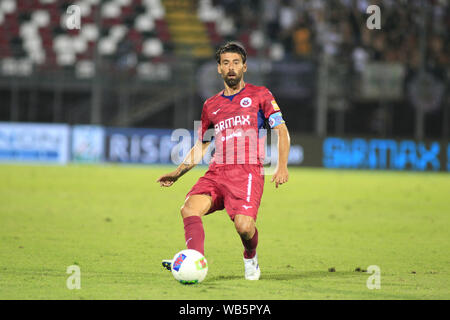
[(292, 29)]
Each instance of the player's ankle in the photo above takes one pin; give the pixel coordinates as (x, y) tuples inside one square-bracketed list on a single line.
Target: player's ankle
[(249, 254)]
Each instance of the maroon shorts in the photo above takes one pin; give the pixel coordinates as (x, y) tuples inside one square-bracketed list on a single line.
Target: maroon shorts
[(237, 188)]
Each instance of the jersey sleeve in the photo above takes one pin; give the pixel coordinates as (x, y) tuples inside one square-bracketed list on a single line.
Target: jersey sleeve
[(271, 109), (205, 124)]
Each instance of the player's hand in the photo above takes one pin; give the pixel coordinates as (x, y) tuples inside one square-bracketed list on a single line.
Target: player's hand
[(280, 176), (168, 179)]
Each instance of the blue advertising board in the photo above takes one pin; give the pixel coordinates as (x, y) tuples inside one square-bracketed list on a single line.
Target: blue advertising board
[(52, 143), (448, 157), (145, 146), (33, 142), (88, 143), (385, 154)]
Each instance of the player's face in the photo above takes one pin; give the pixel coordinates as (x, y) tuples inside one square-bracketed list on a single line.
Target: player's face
[(231, 68)]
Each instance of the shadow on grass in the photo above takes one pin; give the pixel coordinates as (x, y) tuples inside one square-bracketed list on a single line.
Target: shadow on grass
[(226, 277), (291, 275), (309, 275)]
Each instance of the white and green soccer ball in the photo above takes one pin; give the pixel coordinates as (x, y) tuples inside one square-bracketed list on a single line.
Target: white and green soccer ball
[(189, 266)]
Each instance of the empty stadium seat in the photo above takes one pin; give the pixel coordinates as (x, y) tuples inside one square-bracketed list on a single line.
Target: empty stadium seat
[(35, 33)]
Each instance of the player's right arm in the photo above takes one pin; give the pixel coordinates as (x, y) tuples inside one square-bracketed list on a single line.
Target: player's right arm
[(194, 157)]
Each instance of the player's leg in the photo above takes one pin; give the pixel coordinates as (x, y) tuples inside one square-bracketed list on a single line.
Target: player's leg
[(243, 188), (194, 208), (245, 226), (196, 205), (242, 199), (203, 198)]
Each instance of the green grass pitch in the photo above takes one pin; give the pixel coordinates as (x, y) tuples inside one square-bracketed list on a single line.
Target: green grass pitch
[(117, 224)]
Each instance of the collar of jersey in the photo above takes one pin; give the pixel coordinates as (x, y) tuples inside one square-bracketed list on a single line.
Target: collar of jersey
[(232, 96)]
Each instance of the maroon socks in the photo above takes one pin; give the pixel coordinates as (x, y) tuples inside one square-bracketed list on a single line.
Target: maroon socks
[(195, 237), (250, 246), (194, 233)]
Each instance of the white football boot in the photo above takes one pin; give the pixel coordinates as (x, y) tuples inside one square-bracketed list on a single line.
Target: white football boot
[(252, 271)]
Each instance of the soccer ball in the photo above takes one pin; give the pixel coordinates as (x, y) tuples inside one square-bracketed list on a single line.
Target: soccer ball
[(189, 266)]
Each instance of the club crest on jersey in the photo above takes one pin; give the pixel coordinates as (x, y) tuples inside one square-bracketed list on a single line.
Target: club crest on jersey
[(246, 102)]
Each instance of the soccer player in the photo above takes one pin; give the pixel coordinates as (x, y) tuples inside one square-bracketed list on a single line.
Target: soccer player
[(235, 177)]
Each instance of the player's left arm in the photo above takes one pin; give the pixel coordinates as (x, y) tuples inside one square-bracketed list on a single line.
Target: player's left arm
[(273, 114), (281, 174)]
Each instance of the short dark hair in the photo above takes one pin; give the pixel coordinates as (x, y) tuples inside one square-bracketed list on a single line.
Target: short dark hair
[(231, 47)]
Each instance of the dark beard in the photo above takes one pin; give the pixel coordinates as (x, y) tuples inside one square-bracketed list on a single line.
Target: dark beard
[(232, 83)]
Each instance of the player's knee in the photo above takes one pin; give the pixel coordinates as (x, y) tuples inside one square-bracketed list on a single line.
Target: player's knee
[(187, 211), (245, 229)]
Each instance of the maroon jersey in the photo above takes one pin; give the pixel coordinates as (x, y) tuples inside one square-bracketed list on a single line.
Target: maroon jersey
[(236, 121)]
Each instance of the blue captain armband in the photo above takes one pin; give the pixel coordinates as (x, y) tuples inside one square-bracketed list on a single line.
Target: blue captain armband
[(275, 119)]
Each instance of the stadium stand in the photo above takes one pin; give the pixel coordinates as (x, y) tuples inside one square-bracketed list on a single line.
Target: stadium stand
[(33, 34), (169, 41), (135, 34)]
